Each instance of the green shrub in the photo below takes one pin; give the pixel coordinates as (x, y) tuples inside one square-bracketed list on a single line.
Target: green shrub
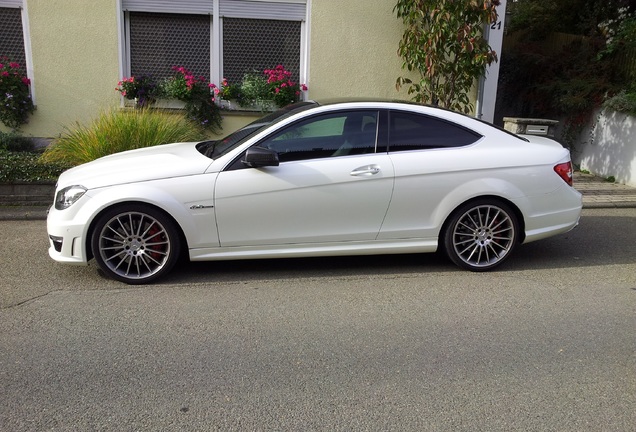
[(254, 89), (624, 102), (119, 130), (27, 167), (15, 142), (198, 95)]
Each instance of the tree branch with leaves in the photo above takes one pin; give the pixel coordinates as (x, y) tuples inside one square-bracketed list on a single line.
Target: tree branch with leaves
[(444, 43)]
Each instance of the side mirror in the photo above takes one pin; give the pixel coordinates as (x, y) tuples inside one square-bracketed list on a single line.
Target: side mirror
[(256, 157)]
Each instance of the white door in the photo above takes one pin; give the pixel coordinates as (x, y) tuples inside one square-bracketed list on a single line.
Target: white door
[(330, 186)]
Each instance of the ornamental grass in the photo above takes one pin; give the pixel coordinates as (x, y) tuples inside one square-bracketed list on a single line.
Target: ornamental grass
[(120, 130)]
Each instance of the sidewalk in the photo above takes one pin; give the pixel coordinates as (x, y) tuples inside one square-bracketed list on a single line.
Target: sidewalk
[(597, 193)]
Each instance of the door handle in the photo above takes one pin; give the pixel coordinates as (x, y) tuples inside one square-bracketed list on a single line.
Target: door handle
[(366, 171)]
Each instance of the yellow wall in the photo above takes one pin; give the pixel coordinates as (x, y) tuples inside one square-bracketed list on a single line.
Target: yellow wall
[(352, 53), (353, 49), (75, 62)]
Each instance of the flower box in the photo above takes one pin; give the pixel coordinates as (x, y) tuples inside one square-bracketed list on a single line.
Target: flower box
[(170, 104), (233, 105)]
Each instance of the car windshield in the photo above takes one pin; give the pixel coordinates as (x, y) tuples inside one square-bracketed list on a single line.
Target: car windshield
[(216, 148)]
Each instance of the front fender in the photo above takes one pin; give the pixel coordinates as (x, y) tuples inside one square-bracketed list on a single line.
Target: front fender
[(189, 202)]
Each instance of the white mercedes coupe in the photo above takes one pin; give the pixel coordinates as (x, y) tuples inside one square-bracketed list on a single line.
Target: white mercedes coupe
[(314, 179)]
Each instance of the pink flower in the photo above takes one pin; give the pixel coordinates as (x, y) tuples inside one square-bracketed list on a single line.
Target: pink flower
[(26, 81), (303, 87), (5, 73), (14, 65)]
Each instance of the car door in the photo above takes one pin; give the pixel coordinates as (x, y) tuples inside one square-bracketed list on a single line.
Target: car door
[(429, 156), (330, 186)]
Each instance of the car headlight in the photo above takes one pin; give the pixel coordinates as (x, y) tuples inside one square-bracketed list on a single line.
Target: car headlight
[(68, 196)]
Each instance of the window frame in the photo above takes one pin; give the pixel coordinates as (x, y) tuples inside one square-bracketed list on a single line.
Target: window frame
[(26, 37), (252, 9)]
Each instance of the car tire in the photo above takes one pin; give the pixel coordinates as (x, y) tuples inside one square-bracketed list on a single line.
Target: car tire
[(135, 243), (481, 234)]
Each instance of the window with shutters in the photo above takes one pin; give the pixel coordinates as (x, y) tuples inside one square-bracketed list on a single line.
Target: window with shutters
[(12, 35), (254, 45), (216, 41), (159, 41)]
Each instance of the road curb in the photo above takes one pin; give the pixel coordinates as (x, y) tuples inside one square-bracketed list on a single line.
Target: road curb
[(23, 213)]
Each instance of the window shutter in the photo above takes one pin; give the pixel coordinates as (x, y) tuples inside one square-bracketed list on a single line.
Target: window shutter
[(274, 10), (11, 3), (169, 6)]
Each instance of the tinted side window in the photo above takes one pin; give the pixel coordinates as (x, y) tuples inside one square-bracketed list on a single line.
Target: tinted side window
[(408, 131), (326, 135)]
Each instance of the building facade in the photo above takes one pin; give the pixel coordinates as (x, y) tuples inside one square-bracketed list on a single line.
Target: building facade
[(75, 51)]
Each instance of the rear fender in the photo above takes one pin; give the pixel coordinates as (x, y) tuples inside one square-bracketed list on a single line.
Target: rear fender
[(480, 188)]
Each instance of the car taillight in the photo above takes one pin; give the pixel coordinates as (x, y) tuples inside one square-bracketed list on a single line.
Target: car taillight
[(564, 170)]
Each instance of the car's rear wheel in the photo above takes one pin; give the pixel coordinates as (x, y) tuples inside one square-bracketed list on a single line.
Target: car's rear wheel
[(480, 235), (135, 244)]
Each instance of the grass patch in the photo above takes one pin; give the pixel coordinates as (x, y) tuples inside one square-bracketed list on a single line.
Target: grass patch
[(120, 130)]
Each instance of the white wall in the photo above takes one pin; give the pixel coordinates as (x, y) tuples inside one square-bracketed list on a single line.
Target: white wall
[(608, 147)]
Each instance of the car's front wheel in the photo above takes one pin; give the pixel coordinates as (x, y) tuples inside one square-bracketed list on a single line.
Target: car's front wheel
[(135, 244), (481, 234)]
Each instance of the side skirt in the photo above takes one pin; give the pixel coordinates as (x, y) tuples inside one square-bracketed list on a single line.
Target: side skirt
[(404, 246)]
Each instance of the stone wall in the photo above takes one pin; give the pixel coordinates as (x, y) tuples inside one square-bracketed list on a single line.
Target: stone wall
[(26, 194)]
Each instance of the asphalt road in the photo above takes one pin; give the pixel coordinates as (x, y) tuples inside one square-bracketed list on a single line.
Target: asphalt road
[(547, 343)]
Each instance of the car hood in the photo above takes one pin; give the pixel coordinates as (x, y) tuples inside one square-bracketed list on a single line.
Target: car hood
[(152, 163)]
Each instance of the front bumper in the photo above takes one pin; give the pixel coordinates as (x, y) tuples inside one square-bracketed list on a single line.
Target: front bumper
[(67, 237)]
